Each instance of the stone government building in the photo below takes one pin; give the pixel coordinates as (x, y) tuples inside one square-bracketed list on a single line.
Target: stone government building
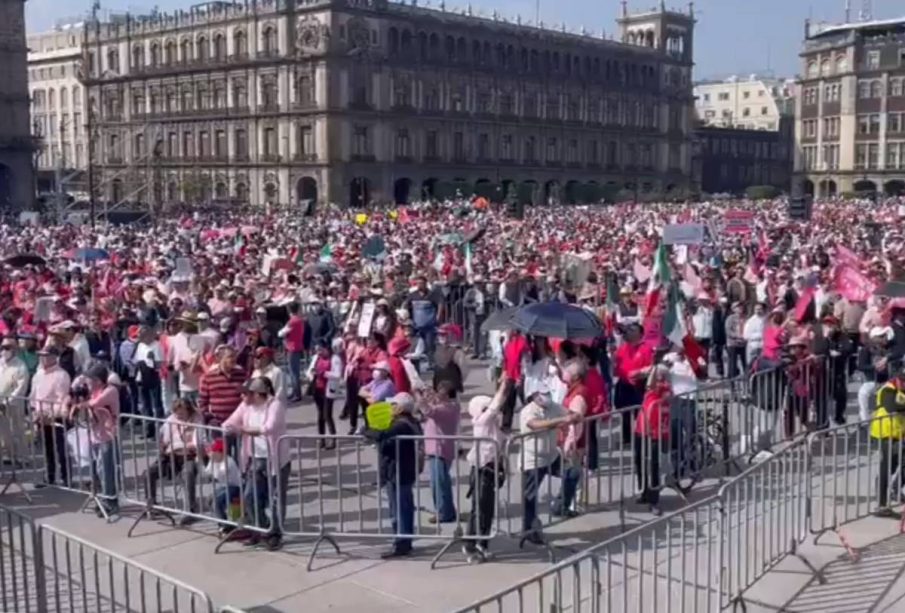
[(357, 101)]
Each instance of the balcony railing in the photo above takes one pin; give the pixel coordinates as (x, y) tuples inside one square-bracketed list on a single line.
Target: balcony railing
[(305, 157)]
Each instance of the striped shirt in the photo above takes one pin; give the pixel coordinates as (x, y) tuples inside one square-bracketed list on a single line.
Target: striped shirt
[(219, 394)]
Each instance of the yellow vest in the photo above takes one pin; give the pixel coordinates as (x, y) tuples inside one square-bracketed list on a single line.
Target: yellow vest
[(884, 425)]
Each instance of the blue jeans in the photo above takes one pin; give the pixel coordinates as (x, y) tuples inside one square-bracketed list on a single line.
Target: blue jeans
[(531, 483), (429, 335), (441, 490), (571, 475), (263, 493), (223, 495), (402, 512), (295, 374), (105, 472)]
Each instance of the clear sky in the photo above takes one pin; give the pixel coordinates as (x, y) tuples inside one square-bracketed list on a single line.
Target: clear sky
[(732, 36)]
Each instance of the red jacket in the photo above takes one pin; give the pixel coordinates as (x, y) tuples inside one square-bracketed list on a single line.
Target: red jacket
[(629, 358), (295, 336), (398, 375), (653, 418), (598, 400)]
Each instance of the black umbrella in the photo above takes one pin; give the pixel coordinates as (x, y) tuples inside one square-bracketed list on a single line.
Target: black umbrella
[(557, 320), (892, 289), (499, 320), (24, 259)]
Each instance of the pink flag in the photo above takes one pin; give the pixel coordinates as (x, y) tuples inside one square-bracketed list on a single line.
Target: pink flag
[(847, 257), (853, 285), (642, 273)]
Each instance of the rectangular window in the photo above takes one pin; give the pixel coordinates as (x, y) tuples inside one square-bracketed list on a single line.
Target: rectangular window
[(723, 96), (172, 145), (892, 156), (188, 145), (873, 60), (241, 144), (861, 157), (431, 147), (305, 142), (204, 144), (894, 122), (552, 150), (874, 124), (873, 156), (361, 144), (863, 124), (271, 149), (506, 147), (220, 143), (593, 152), (403, 148), (458, 145), (552, 106), (483, 146)]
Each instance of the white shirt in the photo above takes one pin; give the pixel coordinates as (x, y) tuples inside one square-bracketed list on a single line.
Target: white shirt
[(277, 379), (702, 321), (255, 419), (182, 352), (13, 378), (682, 379), (149, 353), (176, 435), (753, 331), (225, 472), (81, 351), (539, 449)]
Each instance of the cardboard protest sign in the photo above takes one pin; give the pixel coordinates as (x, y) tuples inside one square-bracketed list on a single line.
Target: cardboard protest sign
[(683, 234)]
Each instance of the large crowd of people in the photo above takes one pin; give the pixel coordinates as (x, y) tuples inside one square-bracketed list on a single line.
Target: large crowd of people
[(228, 318)]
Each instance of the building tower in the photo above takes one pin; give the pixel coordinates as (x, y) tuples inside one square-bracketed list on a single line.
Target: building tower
[(670, 31), (16, 144)]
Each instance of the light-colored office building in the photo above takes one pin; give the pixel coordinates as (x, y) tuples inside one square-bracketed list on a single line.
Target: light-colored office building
[(754, 103), (850, 119), (358, 101), (58, 98)]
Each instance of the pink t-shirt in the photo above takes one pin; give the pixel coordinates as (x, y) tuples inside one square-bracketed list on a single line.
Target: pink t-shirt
[(773, 340), (105, 414)]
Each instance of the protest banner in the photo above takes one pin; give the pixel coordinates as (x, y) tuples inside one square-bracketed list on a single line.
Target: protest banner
[(737, 221), (853, 285)]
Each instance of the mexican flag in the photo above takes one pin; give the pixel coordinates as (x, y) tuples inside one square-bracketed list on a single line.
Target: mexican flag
[(612, 303), (659, 279), (468, 265), (673, 327), (326, 253), (239, 243)]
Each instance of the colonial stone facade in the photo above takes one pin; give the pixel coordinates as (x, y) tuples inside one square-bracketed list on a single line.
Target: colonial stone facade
[(17, 184), (850, 118), (356, 101)]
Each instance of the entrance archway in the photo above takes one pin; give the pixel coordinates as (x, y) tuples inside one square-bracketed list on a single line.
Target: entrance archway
[(593, 192), (551, 192), (894, 188), (508, 189), (484, 188), (428, 188), (116, 191), (865, 186), (220, 191), (807, 187), (359, 192), (6, 185), (270, 192), (401, 189), (306, 189), (528, 192), (573, 193), (241, 192), (831, 188)]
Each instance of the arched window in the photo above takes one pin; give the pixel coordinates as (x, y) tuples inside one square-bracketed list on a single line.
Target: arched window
[(155, 54), (240, 44), (812, 69), (841, 64), (271, 47), (406, 42), (876, 89), (113, 60), (51, 99), (202, 52), (138, 56), (219, 48), (76, 97), (449, 47), (393, 41), (169, 54), (825, 68), (185, 51)]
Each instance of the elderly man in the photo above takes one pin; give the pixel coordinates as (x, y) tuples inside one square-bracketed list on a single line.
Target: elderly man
[(13, 388), (220, 388), (48, 399)]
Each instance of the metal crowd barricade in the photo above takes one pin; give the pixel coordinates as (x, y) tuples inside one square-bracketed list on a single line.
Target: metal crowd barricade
[(171, 474), (764, 518), (854, 476), (43, 569), (343, 488), (670, 564)]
